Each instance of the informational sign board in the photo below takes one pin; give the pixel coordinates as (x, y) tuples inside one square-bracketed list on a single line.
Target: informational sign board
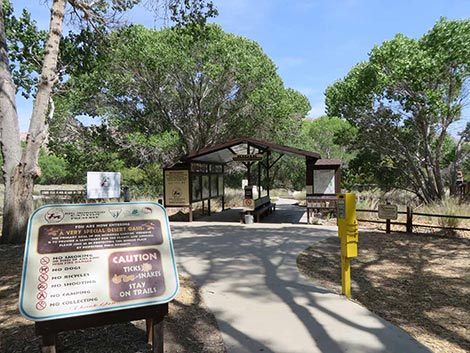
[(388, 211), (86, 259), (248, 157), (176, 187), (103, 185), (324, 181)]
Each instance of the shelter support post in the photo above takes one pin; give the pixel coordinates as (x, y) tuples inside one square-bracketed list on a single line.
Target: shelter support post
[(259, 179), (268, 167), (223, 189)]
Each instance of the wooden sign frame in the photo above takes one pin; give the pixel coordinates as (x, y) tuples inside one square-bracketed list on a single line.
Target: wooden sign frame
[(154, 316)]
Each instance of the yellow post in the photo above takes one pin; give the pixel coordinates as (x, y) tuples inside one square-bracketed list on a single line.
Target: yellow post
[(349, 236), (345, 276)]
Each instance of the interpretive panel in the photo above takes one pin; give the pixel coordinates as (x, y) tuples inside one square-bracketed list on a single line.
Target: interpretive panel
[(205, 187), (221, 184), (196, 188), (214, 187), (324, 181), (176, 187), (388, 211), (84, 259), (103, 185)]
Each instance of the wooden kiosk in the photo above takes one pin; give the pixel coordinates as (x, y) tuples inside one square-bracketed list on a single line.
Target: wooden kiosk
[(323, 184)]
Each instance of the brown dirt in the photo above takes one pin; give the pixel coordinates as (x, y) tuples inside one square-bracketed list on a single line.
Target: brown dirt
[(420, 283), (189, 328)]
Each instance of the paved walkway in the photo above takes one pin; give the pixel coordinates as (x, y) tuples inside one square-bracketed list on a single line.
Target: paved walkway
[(249, 280)]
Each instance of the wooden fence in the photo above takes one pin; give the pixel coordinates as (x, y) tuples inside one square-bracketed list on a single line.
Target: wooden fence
[(411, 223)]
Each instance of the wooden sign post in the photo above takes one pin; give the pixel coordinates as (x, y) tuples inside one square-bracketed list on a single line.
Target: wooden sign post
[(98, 264)]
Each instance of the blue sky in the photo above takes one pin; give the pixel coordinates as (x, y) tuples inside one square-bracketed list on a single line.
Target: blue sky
[(312, 42)]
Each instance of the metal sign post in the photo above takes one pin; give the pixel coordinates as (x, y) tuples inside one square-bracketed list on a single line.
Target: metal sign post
[(349, 236)]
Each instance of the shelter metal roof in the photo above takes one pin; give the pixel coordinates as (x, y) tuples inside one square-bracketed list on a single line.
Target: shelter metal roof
[(225, 152)]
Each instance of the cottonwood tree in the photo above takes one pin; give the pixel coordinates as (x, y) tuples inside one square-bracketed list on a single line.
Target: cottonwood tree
[(192, 89), (403, 101), (20, 167)]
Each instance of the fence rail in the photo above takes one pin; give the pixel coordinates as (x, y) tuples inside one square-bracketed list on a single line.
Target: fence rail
[(411, 222)]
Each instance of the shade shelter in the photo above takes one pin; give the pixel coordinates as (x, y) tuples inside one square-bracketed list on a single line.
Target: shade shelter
[(198, 176)]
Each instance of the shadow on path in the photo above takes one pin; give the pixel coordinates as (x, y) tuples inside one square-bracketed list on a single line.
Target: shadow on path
[(251, 282)]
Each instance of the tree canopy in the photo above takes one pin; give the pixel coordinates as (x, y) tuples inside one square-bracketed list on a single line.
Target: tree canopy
[(173, 90), (29, 59), (403, 101)]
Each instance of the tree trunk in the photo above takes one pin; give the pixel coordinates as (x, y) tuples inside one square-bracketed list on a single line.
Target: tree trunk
[(21, 173), (9, 127)]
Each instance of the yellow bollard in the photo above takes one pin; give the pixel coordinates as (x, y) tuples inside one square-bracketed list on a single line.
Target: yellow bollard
[(349, 237)]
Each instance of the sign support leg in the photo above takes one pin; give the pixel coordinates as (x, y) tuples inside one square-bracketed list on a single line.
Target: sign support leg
[(157, 336), (48, 344)]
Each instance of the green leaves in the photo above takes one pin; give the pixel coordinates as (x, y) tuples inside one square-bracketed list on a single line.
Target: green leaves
[(204, 88), (25, 49), (404, 99)]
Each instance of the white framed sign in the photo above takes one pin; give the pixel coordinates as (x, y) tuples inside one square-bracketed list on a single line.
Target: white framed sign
[(103, 185), (86, 259), (324, 181)]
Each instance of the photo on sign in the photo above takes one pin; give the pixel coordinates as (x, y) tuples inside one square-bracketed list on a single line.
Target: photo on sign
[(196, 188), (214, 188), (205, 187), (221, 184)]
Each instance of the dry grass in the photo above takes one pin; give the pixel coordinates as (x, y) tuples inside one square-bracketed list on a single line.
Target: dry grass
[(418, 282), (189, 328)]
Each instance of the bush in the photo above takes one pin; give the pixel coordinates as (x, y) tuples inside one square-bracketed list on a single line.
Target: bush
[(144, 182), (53, 169), (450, 207)]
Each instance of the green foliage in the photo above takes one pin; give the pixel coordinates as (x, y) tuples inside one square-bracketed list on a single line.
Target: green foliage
[(402, 102), (54, 170), (289, 173), (330, 137), (87, 149), (326, 135), (25, 48), (192, 13), (146, 181), (197, 89)]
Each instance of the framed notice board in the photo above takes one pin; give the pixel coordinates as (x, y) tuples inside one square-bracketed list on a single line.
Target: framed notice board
[(93, 258)]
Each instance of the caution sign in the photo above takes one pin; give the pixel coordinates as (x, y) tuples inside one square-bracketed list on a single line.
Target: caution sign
[(84, 259)]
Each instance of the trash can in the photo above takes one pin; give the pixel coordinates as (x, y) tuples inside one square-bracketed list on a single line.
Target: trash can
[(248, 219)]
